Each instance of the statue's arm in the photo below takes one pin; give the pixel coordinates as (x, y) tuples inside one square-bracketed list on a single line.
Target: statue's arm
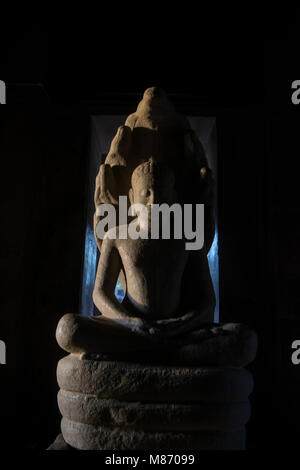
[(108, 270)]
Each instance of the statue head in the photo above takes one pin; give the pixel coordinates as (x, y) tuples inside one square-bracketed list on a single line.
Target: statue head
[(154, 99), (152, 183)]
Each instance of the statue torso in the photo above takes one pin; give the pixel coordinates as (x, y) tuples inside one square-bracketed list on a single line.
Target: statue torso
[(153, 270)]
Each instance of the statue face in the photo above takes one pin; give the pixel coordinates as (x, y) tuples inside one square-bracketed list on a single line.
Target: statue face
[(148, 190)]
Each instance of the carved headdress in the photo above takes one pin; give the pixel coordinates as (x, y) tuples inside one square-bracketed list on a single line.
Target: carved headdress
[(156, 131)]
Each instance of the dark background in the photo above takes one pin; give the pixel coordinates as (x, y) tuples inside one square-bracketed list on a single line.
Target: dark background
[(56, 77)]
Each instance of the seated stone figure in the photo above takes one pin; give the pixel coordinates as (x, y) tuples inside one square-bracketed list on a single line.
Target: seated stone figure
[(153, 322), (153, 268)]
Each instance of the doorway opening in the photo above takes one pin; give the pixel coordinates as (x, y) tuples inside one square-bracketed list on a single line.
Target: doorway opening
[(103, 130)]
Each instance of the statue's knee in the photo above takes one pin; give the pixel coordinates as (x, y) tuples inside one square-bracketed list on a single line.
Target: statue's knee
[(66, 331), (244, 339)]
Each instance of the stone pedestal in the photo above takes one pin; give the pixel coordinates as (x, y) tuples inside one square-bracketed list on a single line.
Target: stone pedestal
[(114, 405)]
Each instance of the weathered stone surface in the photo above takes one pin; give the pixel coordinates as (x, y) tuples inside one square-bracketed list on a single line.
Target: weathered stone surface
[(86, 437), (160, 350), (59, 444), (155, 158), (231, 344), (146, 383), (87, 409), (77, 334)]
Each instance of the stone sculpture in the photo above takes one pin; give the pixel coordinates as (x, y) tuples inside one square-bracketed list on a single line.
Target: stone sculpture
[(154, 372)]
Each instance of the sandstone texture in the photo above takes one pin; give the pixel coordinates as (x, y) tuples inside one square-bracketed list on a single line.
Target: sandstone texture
[(87, 437), (146, 383), (154, 372), (230, 344), (87, 409)]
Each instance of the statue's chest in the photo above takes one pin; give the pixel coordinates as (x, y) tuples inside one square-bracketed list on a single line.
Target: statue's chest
[(151, 255)]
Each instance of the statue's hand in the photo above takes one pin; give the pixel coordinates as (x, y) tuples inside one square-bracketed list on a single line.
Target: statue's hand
[(176, 326), (139, 326), (151, 330), (146, 328), (174, 322)]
